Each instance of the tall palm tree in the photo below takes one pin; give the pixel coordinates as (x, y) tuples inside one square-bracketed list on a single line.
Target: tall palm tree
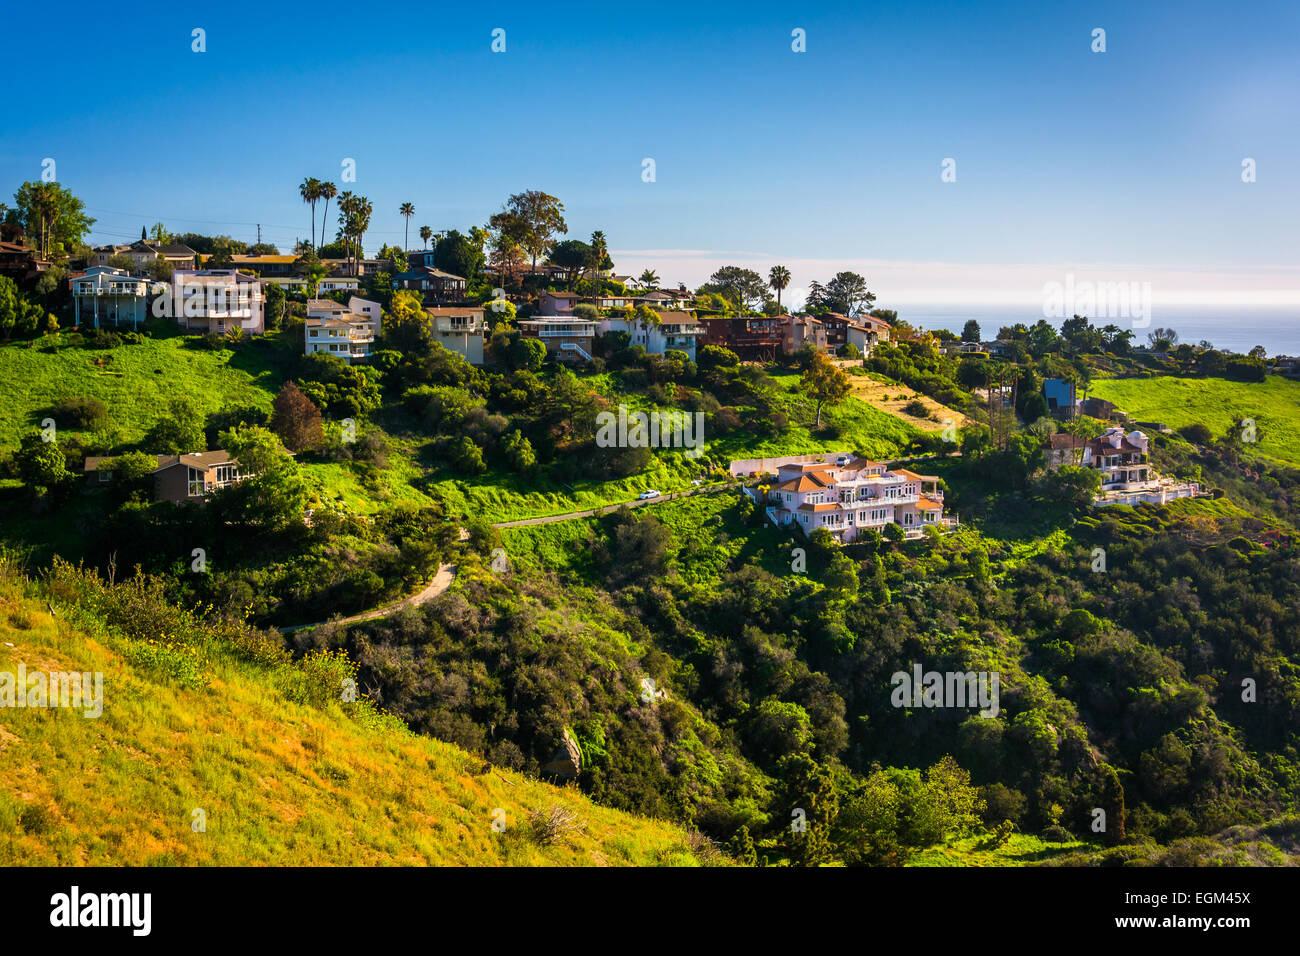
[(327, 192), (407, 210), (310, 191), (778, 277), (364, 209), (596, 259), (347, 219), (426, 234)]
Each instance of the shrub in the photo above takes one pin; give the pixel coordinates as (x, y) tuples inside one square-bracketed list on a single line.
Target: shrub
[(80, 412)]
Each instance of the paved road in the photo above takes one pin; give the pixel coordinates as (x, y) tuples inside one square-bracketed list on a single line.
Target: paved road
[(441, 581)]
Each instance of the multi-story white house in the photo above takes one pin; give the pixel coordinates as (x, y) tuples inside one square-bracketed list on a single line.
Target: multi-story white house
[(213, 300), (111, 295), (846, 494), (676, 330), (1127, 477), (347, 331), (460, 329)]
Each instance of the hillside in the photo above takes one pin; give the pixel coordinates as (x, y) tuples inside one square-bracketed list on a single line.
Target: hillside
[(1274, 404), (281, 781)]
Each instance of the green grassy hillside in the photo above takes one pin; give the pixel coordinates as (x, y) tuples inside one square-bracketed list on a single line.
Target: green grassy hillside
[(190, 724), (1216, 402)]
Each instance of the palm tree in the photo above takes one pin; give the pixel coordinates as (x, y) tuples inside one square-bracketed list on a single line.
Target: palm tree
[(407, 211), (310, 191), (778, 277), (327, 192), (650, 279), (426, 234)]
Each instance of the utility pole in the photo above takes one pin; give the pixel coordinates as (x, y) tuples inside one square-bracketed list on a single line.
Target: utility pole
[(259, 233)]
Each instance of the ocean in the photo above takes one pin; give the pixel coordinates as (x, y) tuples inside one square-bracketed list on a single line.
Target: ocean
[(1239, 329)]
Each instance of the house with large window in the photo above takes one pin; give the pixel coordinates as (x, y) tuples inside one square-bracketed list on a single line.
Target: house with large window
[(1127, 477), (213, 300), (755, 338), (347, 331), (435, 286), (675, 330), (181, 479), (567, 339), (104, 294), (847, 494), (460, 329)]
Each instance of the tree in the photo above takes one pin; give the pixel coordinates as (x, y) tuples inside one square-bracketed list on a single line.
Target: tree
[(310, 191), (53, 215), (41, 464), (825, 382), (407, 210), (599, 258), (160, 270), (1162, 340), (650, 279), (527, 353), (519, 453), (970, 332), (571, 255), (272, 493), (180, 432), (532, 218), (296, 419), (745, 287), (18, 316), (467, 456), (778, 277), (327, 192), (426, 234), (846, 294), (459, 255)]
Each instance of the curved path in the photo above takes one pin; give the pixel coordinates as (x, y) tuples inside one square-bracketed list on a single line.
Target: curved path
[(441, 581), (605, 509)]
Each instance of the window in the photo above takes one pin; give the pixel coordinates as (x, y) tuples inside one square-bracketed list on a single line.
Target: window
[(105, 476), (195, 483)]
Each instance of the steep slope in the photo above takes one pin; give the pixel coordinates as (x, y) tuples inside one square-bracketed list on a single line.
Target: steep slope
[(187, 726)]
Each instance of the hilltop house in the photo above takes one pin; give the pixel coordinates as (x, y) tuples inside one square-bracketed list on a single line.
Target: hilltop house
[(347, 331), (676, 330), (21, 264), (145, 251), (754, 338), (460, 329), (556, 303), (434, 285), (180, 479), (111, 295), (798, 330), (564, 338), (846, 494), (1060, 397), (1127, 477), (213, 300)]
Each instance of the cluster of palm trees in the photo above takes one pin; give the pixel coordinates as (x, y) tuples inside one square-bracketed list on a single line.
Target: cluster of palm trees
[(312, 190), (354, 222)]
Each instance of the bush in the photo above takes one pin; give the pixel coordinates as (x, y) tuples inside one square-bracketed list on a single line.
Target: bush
[(80, 412)]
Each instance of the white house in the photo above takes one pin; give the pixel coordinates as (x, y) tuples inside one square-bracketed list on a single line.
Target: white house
[(460, 329), (1127, 477), (347, 331), (846, 494), (111, 295), (676, 330), (213, 300)]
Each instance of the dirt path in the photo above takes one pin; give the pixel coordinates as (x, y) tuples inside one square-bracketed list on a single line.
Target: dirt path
[(441, 581)]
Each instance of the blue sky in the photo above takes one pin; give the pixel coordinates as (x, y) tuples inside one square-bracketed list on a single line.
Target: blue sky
[(1123, 164)]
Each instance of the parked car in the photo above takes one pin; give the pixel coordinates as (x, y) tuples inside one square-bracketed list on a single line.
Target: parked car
[(843, 460), (646, 495)]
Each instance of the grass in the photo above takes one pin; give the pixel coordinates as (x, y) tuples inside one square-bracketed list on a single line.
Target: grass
[(892, 397), (1274, 404), (1019, 850), (278, 782)]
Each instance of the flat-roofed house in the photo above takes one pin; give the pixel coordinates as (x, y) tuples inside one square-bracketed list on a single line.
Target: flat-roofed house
[(110, 295), (178, 478), (435, 286), (461, 329), (213, 300), (799, 329), (676, 330), (754, 338), (347, 331), (564, 338)]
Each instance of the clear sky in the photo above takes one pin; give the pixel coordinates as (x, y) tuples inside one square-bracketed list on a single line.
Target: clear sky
[(1117, 165)]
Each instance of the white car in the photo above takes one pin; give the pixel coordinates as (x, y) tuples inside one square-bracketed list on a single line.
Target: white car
[(697, 482), (647, 495), (843, 460)]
